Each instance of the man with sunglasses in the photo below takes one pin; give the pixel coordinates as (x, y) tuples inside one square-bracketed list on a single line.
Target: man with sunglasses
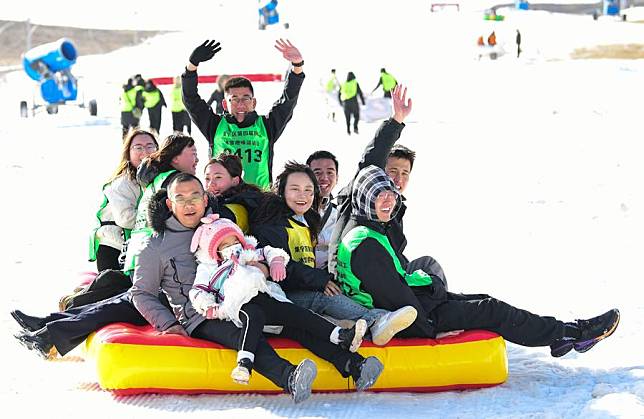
[(240, 130)]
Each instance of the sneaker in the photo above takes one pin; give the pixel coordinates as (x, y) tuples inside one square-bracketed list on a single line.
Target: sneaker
[(561, 347), (29, 323), (596, 329), (366, 373), (301, 380), (351, 339), (391, 323), (355, 130), (241, 373), (36, 342)]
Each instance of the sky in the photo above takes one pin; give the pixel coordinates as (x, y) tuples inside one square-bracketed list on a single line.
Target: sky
[(528, 186)]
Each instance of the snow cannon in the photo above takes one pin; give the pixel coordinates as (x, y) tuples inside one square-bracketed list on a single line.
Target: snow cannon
[(50, 65)]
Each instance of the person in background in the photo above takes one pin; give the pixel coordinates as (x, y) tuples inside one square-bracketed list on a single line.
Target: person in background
[(332, 88), (387, 81), (180, 117), (349, 93), (153, 101), (217, 96)]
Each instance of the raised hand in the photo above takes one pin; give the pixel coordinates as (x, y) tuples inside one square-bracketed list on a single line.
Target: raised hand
[(402, 105), (288, 50), (204, 52)]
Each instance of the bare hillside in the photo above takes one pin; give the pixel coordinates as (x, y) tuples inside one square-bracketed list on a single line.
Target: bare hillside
[(13, 39)]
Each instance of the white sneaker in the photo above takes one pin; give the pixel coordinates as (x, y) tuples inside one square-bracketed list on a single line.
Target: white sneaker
[(240, 375), (391, 323)]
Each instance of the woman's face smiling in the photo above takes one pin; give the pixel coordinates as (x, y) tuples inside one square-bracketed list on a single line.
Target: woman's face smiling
[(298, 192)]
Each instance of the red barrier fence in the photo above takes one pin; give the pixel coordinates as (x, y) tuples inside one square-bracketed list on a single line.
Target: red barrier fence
[(213, 79)]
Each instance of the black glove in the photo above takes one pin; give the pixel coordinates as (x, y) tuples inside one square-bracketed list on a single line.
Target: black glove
[(204, 52)]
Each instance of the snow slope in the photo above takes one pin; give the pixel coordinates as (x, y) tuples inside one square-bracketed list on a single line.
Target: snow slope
[(528, 186)]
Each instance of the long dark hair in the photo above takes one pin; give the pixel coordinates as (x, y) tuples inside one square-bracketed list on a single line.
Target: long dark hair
[(273, 206), (172, 146)]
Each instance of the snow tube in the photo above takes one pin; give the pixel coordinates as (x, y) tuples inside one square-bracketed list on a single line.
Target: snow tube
[(134, 360)]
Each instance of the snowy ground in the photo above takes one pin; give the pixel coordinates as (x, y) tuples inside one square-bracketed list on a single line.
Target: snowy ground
[(528, 186)]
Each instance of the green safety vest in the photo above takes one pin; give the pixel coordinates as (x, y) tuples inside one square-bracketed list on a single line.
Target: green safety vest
[(93, 240), (388, 82), (250, 144), (150, 99), (331, 84), (177, 100), (141, 229), (348, 90), (351, 284), (131, 94), (127, 104)]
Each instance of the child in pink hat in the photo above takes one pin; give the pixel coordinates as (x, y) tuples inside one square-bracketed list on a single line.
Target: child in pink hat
[(231, 284)]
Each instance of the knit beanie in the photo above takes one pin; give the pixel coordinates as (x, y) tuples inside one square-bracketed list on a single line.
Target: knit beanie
[(211, 233)]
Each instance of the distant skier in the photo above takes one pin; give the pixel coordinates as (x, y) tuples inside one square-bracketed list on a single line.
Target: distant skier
[(349, 92), (518, 40)]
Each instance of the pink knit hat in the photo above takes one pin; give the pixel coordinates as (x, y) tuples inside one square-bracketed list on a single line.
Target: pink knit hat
[(212, 231)]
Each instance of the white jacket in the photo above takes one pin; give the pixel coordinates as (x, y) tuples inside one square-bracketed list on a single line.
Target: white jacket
[(231, 284), (122, 196)]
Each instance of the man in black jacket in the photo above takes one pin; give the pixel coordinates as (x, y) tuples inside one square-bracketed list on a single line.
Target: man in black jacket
[(240, 130), (398, 163)]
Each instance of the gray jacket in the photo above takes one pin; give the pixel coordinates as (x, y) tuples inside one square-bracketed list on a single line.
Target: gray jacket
[(166, 263)]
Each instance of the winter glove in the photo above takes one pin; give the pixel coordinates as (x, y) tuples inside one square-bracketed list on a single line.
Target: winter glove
[(211, 312), (278, 269), (204, 52)]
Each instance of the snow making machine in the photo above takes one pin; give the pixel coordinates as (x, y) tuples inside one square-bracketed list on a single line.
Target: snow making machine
[(50, 65)]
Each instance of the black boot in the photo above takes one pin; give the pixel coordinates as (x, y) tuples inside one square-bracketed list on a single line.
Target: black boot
[(365, 373), (351, 339), (29, 323), (38, 341)]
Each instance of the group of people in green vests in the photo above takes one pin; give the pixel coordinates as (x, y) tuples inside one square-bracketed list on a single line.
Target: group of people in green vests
[(139, 94), (348, 92), (345, 254)]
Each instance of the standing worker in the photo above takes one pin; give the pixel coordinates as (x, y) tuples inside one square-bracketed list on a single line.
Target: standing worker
[(518, 39), (128, 103), (180, 117), (387, 81), (153, 100), (349, 92), (332, 87)]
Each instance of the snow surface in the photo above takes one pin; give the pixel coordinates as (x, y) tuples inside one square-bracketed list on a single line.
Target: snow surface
[(528, 186)]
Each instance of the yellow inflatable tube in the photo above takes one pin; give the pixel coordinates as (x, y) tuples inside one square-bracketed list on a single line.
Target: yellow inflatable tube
[(133, 360)]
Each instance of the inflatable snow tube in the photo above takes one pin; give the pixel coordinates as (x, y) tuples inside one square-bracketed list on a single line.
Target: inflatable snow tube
[(134, 360)]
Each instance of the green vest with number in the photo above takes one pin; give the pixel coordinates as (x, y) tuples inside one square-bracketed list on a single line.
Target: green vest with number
[(388, 82), (177, 100), (141, 229), (349, 89), (250, 144), (350, 283)]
